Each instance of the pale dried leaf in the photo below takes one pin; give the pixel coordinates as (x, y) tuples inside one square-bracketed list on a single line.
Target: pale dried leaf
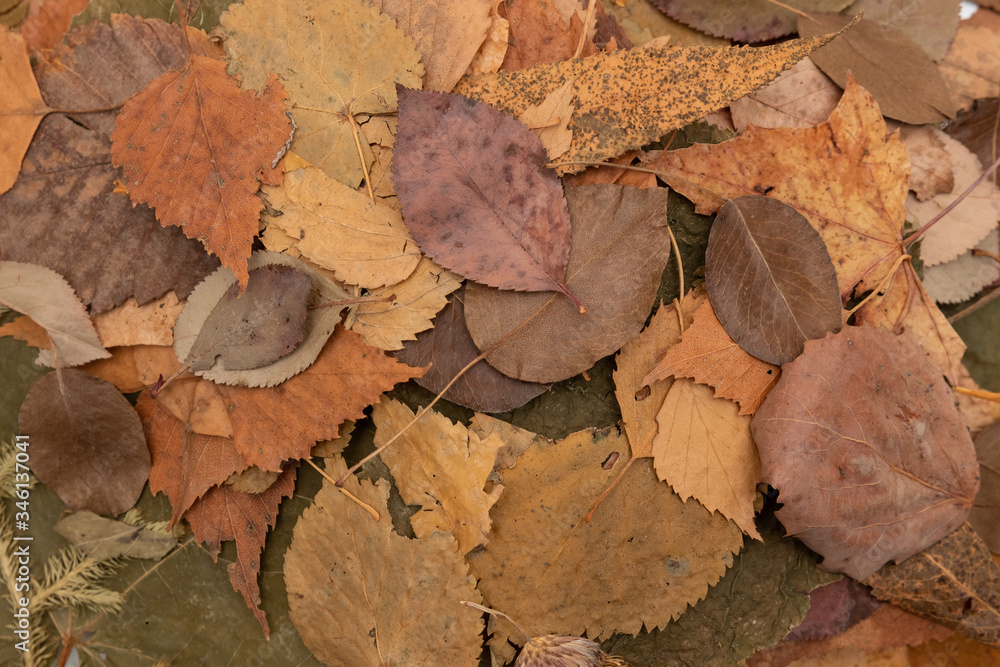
[(132, 324)]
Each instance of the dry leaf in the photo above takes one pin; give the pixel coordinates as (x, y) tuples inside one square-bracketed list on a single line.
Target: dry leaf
[(963, 277), (985, 516), (24, 328), (644, 557), (102, 538), (932, 172), (755, 20), (132, 324), (955, 582), (978, 131), (331, 70), (135, 367), (361, 595), (363, 242), (47, 22), (932, 28), (490, 56), (178, 143), (22, 108), (872, 464), (770, 278), (415, 302), (619, 249), (703, 449), (968, 223), (617, 96), (800, 97), (86, 441), (442, 467), (707, 354), (46, 297), (972, 65), (539, 34)]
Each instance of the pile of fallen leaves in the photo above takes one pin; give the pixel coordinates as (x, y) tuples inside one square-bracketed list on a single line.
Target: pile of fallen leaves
[(240, 251)]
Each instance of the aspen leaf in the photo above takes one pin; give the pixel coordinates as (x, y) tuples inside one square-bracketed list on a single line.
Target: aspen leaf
[(22, 108), (703, 449), (618, 97), (891, 467), (359, 594), (336, 60), (442, 467)]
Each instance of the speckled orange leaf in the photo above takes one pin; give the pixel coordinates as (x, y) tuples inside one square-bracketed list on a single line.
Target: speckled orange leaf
[(193, 147), (619, 97), (707, 354)]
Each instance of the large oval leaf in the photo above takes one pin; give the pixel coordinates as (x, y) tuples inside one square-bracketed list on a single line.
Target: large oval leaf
[(770, 278)]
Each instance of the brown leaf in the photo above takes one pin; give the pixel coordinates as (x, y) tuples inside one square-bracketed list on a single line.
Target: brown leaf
[(45, 297), (800, 97), (538, 34), (361, 595), (770, 278), (47, 22), (978, 130), (331, 72), (972, 65), (703, 449), (899, 74), (21, 109), (102, 538), (224, 514), (447, 33), (633, 364), (178, 143), (86, 441), (448, 348), (955, 582), (873, 464), (618, 97), (932, 172), (985, 516), (442, 467), (131, 324), (62, 213), (541, 550), (753, 21), (833, 609), (619, 249), (185, 464), (707, 354), (932, 28), (255, 329), (476, 195)]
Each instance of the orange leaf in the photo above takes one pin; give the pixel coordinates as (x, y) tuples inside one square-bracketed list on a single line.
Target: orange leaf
[(26, 329), (21, 106), (707, 354), (193, 146), (48, 21)]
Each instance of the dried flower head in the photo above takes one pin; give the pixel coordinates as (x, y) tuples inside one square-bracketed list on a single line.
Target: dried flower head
[(562, 651)]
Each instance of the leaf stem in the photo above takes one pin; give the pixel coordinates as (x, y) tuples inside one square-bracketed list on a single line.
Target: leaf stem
[(587, 22), (882, 285), (947, 209), (348, 302), (978, 393), (680, 277), (361, 154), (371, 510)]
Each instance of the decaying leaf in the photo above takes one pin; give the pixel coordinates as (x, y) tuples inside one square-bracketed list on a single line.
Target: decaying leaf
[(862, 439), (703, 449), (182, 154), (756, 20), (255, 329), (985, 516), (540, 548), (22, 108), (619, 248), (618, 97), (476, 195), (86, 441), (46, 297), (103, 538), (707, 354), (448, 348), (361, 595), (442, 467), (331, 70), (955, 582), (363, 242), (770, 278)]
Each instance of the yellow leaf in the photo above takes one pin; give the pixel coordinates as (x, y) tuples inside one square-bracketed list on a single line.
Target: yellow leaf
[(703, 449)]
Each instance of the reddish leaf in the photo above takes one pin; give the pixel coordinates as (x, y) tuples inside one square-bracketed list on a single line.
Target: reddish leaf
[(476, 194), (449, 347), (193, 146), (833, 609), (770, 278), (185, 464), (86, 441), (751, 21), (224, 514), (620, 246), (862, 438), (62, 212)]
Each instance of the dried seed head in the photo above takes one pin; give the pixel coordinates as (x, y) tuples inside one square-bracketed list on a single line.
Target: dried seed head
[(561, 651)]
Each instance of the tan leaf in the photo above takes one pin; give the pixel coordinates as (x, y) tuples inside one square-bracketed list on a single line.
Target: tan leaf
[(703, 449), (550, 120), (490, 56), (554, 572), (443, 467), (972, 64), (134, 367), (707, 354), (21, 108), (931, 168), (634, 362), (361, 595), (332, 72), (132, 324), (963, 277), (800, 97), (363, 242), (199, 406), (386, 324)]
